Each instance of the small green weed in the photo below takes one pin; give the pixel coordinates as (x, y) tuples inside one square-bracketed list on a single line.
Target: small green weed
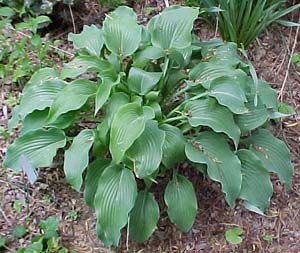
[(233, 235)]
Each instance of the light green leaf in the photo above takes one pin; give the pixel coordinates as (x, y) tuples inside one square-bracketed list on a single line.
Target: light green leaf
[(143, 217), (91, 39), (19, 231), (6, 12), (174, 145), (39, 146), (39, 97), (256, 185), (123, 134), (142, 82), (181, 200), (115, 197), (222, 165), (233, 235), (172, 28), (94, 172), (229, 93), (256, 116), (77, 157), (71, 98), (146, 151), (206, 112), (273, 153), (83, 64), (122, 34)]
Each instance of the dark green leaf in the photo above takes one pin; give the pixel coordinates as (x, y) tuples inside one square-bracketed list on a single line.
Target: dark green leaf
[(77, 157), (181, 200), (222, 164), (143, 217), (115, 197)]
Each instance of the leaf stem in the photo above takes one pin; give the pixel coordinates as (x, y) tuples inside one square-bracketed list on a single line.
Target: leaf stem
[(174, 119)]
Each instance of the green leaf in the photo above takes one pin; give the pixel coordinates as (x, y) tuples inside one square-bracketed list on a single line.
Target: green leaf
[(141, 58), (39, 97), (122, 134), (122, 34), (173, 147), (39, 146), (233, 235), (77, 157), (273, 153), (206, 112), (2, 241), (36, 247), (172, 27), (229, 93), (71, 98), (83, 64), (37, 120), (114, 103), (143, 217), (104, 91), (256, 185), (142, 82), (181, 200), (267, 95), (146, 152), (115, 197), (6, 12), (222, 164), (256, 116), (94, 172), (91, 39), (42, 75), (19, 231), (49, 227)]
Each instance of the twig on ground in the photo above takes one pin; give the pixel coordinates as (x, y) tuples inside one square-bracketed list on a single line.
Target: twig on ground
[(72, 17), (5, 217), (280, 96)]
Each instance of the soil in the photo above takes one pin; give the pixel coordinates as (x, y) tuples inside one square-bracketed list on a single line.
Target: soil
[(51, 195)]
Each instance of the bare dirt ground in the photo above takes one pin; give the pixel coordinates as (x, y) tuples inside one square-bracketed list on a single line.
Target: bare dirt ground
[(51, 195)]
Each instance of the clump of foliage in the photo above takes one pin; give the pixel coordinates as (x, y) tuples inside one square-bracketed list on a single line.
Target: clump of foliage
[(242, 21), (21, 54), (48, 241), (34, 7), (154, 99), (111, 3)]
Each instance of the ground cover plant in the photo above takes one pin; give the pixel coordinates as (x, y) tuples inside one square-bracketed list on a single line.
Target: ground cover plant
[(243, 21), (136, 101)]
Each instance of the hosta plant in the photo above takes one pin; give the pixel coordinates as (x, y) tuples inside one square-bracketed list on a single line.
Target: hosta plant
[(138, 100)]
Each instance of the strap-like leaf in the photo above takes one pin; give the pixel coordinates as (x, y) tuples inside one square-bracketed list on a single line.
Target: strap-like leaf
[(91, 39), (172, 28), (174, 144), (77, 157), (222, 165), (142, 82), (143, 217), (71, 98), (127, 125), (256, 185), (273, 153), (38, 146), (181, 200), (94, 172), (115, 197), (121, 32), (146, 151), (206, 112)]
